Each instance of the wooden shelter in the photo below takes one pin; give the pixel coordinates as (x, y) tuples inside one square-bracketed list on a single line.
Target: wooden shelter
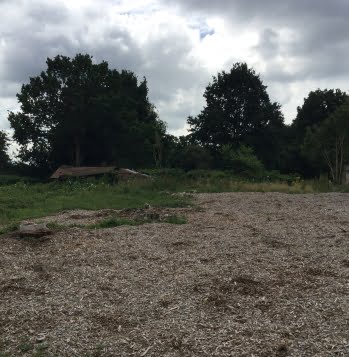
[(70, 171), (64, 172)]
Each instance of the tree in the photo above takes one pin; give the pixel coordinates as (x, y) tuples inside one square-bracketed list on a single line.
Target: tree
[(238, 112), (194, 157), (317, 107), (80, 112), (4, 158), (242, 161), (328, 143)]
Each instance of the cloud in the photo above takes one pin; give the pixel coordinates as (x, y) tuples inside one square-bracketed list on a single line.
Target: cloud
[(295, 45), (301, 44), (151, 42), (294, 28)]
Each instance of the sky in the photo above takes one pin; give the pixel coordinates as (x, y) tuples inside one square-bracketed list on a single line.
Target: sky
[(178, 45)]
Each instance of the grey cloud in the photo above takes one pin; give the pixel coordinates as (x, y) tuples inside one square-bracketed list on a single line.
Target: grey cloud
[(273, 10), (268, 44), (43, 12), (164, 62), (31, 31), (25, 56), (321, 31)]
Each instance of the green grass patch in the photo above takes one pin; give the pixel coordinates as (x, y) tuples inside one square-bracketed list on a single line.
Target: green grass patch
[(121, 221), (21, 201), (9, 228), (25, 347), (25, 201)]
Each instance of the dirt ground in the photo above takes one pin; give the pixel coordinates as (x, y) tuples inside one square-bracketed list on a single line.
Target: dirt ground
[(250, 274)]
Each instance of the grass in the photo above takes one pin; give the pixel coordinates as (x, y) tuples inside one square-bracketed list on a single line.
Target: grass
[(117, 221), (25, 201), (21, 201), (8, 229)]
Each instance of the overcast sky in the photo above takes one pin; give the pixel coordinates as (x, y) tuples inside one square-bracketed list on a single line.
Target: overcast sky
[(178, 45)]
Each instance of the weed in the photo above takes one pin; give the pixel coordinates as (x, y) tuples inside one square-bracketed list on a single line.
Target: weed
[(25, 347), (40, 350), (9, 228), (99, 349), (113, 222), (174, 219)]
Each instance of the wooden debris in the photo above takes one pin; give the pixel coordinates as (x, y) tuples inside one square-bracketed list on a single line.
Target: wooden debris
[(35, 230)]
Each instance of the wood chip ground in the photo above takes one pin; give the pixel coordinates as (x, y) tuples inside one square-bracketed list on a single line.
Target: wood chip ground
[(250, 274)]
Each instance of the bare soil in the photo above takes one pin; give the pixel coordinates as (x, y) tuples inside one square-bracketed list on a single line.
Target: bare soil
[(250, 274)]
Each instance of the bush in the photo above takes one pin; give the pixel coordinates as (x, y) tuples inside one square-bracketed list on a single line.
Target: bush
[(242, 161), (12, 179), (194, 157), (165, 172), (206, 174)]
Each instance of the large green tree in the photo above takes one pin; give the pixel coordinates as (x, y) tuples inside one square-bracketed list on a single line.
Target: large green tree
[(317, 107), (238, 112), (4, 157), (327, 144), (80, 112)]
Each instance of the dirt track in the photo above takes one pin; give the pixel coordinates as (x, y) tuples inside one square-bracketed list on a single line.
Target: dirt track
[(251, 274)]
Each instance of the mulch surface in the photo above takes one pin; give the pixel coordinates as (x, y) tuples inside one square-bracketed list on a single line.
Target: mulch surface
[(250, 274)]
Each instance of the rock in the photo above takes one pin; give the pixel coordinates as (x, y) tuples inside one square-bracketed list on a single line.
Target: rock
[(36, 230), (147, 206), (41, 338)]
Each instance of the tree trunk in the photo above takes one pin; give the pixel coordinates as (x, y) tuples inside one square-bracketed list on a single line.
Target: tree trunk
[(77, 151), (336, 160), (329, 163), (341, 160)]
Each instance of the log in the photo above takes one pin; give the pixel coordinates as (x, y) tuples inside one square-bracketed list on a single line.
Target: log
[(35, 230)]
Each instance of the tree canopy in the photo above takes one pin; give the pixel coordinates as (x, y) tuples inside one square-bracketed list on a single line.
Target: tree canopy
[(317, 106), (238, 112), (328, 142), (81, 112)]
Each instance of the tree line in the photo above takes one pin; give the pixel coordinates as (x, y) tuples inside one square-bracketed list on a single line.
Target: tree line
[(78, 112)]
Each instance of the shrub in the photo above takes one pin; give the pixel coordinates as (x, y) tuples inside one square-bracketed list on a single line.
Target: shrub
[(242, 161), (165, 172), (208, 174), (193, 157)]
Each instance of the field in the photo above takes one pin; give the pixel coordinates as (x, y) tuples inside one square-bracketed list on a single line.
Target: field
[(244, 274), (21, 199)]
